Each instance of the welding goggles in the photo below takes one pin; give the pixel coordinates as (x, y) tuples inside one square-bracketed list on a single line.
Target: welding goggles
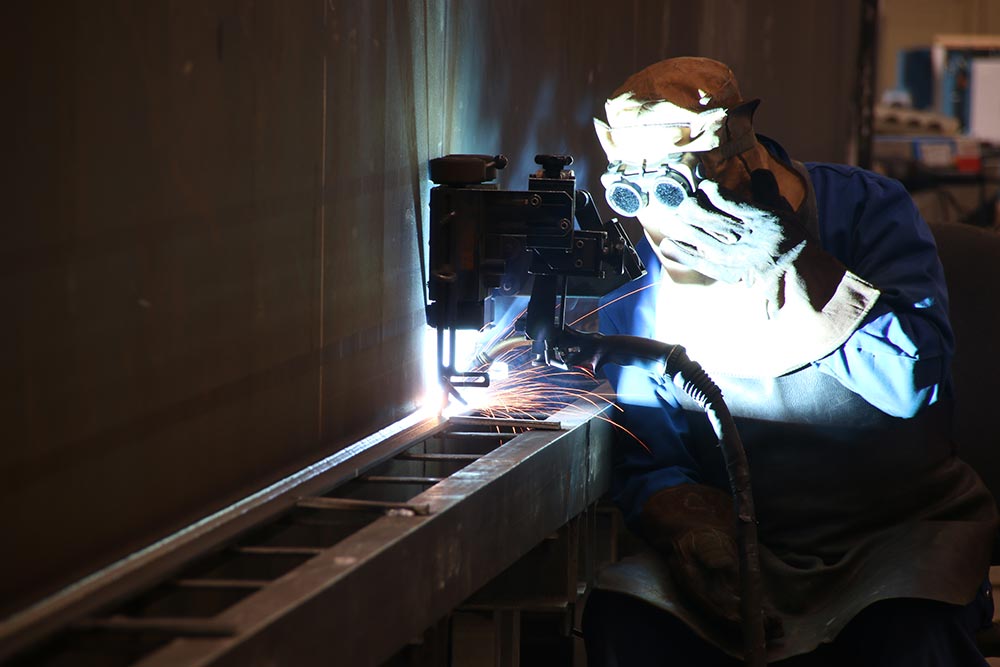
[(631, 188)]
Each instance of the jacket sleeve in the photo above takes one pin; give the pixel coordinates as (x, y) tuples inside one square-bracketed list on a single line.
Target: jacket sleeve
[(899, 358)]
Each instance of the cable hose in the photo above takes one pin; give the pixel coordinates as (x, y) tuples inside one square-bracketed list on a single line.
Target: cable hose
[(697, 384), (672, 361)]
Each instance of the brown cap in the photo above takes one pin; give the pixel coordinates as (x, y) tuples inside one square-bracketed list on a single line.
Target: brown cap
[(695, 84), (699, 85)]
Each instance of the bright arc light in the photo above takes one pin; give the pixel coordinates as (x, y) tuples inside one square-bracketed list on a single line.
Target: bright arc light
[(499, 370), (435, 397)]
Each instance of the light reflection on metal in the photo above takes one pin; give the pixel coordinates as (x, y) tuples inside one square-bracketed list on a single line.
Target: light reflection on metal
[(458, 546), (154, 564), (356, 504), (144, 566)]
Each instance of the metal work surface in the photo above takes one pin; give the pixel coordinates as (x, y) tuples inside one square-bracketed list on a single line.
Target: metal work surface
[(416, 522)]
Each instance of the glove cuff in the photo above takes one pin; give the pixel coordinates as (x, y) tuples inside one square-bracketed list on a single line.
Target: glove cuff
[(675, 510), (801, 310)]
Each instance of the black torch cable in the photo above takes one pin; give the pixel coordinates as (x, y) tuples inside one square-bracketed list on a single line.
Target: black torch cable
[(697, 384), (673, 362)]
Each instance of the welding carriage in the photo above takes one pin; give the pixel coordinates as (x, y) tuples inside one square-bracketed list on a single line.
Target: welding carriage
[(487, 244)]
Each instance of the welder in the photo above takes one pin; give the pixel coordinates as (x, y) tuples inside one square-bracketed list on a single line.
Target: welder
[(813, 296)]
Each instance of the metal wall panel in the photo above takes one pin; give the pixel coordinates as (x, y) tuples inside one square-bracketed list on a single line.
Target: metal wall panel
[(209, 262), (160, 271)]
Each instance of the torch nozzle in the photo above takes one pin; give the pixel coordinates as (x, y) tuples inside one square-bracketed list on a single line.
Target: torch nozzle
[(488, 355)]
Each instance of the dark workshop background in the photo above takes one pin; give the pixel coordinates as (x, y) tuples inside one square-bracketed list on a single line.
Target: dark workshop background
[(209, 259)]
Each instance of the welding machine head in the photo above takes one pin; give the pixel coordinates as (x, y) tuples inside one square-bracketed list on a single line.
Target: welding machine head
[(487, 244)]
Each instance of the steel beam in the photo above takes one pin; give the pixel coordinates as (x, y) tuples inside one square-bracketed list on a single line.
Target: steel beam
[(166, 557), (362, 600)]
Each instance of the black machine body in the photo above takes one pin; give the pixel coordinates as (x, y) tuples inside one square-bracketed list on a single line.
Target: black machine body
[(487, 243)]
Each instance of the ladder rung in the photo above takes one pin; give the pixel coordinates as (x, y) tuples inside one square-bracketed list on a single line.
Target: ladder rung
[(188, 627), (324, 503), (236, 584), (479, 435), (440, 457), (387, 479), (280, 551), (503, 421)]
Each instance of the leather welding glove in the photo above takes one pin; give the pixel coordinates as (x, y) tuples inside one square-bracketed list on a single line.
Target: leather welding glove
[(692, 527), (731, 240), (809, 302)]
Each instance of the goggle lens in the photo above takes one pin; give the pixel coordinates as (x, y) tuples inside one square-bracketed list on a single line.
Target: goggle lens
[(629, 193), (670, 193), (625, 198)]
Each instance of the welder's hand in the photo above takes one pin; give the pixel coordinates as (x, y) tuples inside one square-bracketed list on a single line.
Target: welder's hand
[(730, 240), (692, 527)]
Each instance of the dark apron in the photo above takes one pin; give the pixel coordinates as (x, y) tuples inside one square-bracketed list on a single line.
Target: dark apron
[(847, 515)]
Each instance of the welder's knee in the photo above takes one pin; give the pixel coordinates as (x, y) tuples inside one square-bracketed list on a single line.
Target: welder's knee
[(621, 631), (917, 633)]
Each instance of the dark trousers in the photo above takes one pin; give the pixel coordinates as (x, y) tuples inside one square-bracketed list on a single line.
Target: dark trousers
[(621, 631)]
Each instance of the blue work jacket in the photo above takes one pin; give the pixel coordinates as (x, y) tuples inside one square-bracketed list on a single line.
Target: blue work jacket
[(897, 360)]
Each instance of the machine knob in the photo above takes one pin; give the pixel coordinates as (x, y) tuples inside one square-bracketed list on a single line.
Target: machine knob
[(553, 165), (458, 170)]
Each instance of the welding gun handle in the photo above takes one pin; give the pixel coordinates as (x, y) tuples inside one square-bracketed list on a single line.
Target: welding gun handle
[(596, 350), (645, 353)]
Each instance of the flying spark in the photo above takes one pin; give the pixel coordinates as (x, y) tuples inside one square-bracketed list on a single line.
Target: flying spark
[(532, 391)]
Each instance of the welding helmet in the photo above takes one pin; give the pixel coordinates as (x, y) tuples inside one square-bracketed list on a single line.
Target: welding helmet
[(684, 111)]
